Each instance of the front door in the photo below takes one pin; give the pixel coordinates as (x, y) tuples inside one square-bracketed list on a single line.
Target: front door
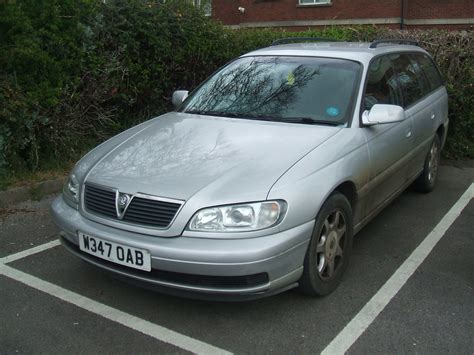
[(389, 145)]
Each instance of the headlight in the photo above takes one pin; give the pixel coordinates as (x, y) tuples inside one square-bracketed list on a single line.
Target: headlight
[(71, 191), (238, 218)]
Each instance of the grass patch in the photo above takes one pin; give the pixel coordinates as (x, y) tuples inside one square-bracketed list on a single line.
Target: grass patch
[(29, 178)]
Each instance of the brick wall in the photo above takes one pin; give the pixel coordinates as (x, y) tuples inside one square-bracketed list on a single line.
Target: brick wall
[(441, 9), (226, 11), (261, 11)]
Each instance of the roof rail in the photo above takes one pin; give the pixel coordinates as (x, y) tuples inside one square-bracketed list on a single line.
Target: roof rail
[(411, 42), (302, 39)]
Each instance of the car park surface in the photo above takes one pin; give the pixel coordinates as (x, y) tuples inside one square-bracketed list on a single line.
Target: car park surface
[(437, 299)]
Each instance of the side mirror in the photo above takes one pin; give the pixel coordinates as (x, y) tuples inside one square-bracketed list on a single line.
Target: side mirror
[(178, 97), (380, 114)]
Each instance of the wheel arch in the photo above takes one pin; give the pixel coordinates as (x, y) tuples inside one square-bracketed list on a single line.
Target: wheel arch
[(441, 132), (348, 189)]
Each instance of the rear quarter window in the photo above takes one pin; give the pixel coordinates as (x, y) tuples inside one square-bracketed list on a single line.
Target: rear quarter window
[(429, 70)]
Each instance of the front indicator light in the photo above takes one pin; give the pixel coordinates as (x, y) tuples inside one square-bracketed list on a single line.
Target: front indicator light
[(71, 191)]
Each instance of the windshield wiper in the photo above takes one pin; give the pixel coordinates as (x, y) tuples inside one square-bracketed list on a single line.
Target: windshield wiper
[(308, 120), (209, 113), (217, 113), (301, 120)]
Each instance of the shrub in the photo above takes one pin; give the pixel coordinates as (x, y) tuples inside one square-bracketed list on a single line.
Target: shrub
[(40, 58), (73, 73)]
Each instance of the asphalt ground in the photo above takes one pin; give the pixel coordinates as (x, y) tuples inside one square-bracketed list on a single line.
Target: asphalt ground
[(432, 313)]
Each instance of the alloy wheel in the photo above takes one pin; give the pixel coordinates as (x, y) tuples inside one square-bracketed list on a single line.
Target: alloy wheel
[(433, 162), (330, 247)]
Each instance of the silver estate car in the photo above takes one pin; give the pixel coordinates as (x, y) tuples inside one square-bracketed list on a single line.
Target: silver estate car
[(261, 177)]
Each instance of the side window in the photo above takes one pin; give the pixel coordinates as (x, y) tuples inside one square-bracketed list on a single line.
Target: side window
[(408, 77), (429, 70), (420, 75), (382, 84)]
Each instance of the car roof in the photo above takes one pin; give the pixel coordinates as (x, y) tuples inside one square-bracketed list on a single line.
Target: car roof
[(358, 51)]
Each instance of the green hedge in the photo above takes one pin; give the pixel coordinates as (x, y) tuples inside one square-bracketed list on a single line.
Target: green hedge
[(73, 73)]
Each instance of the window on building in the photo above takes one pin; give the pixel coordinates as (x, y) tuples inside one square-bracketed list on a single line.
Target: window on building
[(314, 2), (204, 5)]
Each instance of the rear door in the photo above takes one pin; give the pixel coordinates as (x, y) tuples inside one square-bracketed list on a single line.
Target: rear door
[(433, 103)]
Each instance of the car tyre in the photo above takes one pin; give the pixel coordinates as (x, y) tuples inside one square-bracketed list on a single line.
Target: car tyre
[(426, 182), (330, 247)]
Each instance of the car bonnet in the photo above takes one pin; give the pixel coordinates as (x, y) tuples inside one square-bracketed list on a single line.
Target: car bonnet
[(219, 159)]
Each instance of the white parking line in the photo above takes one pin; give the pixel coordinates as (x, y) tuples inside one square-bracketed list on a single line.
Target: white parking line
[(354, 329), (28, 252), (128, 320), (158, 332)]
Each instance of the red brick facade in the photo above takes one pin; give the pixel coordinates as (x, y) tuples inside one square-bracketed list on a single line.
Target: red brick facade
[(290, 14)]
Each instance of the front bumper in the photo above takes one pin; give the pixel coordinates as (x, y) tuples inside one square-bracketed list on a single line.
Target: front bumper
[(204, 268)]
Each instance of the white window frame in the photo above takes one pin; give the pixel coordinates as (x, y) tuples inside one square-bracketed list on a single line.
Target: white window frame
[(315, 2), (201, 3)]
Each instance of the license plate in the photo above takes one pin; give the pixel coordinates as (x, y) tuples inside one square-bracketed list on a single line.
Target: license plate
[(114, 252)]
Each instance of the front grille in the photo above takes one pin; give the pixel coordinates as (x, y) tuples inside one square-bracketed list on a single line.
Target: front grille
[(141, 211), (100, 201), (151, 212)]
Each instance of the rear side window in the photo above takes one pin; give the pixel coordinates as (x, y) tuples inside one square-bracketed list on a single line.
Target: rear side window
[(429, 70), (382, 84), (408, 74), (420, 75)]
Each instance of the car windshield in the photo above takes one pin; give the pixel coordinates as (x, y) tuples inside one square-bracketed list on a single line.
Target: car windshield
[(288, 89)]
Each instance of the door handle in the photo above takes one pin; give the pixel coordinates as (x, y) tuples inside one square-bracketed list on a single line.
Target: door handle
[(408, 134), (433, 116)]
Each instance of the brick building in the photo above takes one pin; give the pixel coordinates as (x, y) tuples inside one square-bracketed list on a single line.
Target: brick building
[(300, 14)]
